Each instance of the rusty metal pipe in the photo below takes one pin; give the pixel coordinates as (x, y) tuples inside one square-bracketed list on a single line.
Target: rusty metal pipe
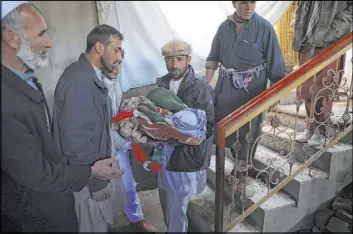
[(220, 161)]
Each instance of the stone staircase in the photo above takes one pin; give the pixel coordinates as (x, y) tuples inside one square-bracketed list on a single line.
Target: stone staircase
[(289, 208)]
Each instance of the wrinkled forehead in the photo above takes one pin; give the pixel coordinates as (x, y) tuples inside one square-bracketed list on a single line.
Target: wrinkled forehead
[(176, 57)]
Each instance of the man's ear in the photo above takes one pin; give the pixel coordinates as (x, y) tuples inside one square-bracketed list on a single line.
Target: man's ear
[(189, 59), (11, 38), (99, 47)]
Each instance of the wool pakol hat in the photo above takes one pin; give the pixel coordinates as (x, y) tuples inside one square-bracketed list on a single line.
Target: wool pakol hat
[(176, 47)]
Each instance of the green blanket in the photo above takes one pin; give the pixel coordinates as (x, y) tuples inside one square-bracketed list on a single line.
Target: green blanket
[(166, 99)]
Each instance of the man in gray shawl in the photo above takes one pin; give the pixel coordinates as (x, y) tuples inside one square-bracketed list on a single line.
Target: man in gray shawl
[(246, 49)]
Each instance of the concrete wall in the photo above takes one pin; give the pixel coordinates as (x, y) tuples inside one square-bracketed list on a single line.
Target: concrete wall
[(69, 23)]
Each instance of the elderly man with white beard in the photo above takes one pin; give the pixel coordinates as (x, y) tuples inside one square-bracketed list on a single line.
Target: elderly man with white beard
[(37, 182)]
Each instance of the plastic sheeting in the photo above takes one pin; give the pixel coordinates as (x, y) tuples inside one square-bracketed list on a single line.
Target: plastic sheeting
[(147, 26)]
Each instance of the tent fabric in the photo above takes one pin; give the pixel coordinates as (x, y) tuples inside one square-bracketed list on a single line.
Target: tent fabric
[(148, 26)]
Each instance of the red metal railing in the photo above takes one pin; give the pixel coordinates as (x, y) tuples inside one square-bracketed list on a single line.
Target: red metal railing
[(272, 95)]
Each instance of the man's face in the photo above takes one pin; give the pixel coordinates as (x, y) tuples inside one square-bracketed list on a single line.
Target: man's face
[(177, 66), (115, 72), (35, 40), (244, 9), (112, 56)]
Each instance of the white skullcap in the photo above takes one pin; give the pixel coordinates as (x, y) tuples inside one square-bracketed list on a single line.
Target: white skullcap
[(8, 6)]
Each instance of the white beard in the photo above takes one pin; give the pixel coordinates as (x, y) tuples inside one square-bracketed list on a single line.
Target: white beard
[(31, 59)]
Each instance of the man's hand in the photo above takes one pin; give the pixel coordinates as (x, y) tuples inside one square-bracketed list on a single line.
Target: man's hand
[(102, 170)]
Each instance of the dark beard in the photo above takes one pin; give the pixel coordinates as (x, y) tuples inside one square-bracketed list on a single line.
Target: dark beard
[(182, 74), (105, 65)]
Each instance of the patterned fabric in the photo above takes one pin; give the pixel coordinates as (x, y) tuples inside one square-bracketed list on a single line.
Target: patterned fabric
[(191, 122), (157, 121), (242, 79), (164, 132), (159, 154)]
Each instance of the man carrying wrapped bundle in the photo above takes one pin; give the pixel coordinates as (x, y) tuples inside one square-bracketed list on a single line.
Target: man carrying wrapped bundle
[(177, 118), (183, 173)]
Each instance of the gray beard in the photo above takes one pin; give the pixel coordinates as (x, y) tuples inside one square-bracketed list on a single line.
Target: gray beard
[(31, 59)]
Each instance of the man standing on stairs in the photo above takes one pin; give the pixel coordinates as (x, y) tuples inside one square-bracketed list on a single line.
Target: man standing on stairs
[(37, 182), (183, 173), (247, 50), (319, 24), (120, 149)]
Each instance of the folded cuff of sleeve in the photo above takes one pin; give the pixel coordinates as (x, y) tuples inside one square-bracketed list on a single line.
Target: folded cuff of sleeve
[(82, 175), (213, 65), (95, 185)]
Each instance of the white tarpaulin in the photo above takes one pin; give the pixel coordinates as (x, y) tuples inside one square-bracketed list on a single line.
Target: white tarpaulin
[(147, 26)]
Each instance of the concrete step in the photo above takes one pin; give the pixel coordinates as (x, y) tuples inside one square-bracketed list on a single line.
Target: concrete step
[(287, 113), (289, 98), (279, 167), (201, 214), (305, 193), (261, 218), (297, 188), (297, 123), (282, 140), (287, 120), (338, 110)]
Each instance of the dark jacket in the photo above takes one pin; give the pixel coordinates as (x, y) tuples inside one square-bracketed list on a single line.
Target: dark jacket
[(81, 117), (196, 93), (37, 182)]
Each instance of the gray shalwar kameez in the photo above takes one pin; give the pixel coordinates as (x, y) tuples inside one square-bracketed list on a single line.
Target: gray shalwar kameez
[(254, 45)]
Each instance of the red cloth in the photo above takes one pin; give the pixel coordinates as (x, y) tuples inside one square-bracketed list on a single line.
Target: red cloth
[(136, 148), (122, 115), (141, 157)]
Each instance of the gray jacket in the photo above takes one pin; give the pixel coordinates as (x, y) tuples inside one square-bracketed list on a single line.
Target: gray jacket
[(81, 117), (196, 93), (335, 21)]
